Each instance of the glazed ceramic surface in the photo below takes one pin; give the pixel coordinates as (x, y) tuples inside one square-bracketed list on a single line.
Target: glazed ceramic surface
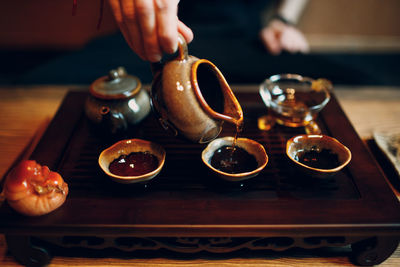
[(252, 147), (117, 101), (125, 147), (300, 143), (192, 98)]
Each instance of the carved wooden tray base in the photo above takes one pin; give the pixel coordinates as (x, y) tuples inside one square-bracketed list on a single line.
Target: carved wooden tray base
[(366, 251), (186, 209)]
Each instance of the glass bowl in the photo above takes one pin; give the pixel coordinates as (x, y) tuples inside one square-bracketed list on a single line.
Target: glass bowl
[(295, 100)]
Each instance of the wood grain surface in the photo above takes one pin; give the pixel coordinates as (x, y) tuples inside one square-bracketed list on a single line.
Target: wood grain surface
[(27, 110)]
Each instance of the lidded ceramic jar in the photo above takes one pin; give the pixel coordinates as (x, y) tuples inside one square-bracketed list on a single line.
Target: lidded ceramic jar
[(117, 101)]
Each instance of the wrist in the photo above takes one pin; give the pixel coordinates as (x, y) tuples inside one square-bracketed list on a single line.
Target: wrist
[(282, 19)]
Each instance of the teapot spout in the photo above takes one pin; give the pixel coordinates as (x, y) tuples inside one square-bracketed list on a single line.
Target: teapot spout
[(230, 110), (113, 122), (232, 107)]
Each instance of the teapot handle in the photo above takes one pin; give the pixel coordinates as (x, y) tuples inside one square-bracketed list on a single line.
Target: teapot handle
[(182, 48), (181, 54)]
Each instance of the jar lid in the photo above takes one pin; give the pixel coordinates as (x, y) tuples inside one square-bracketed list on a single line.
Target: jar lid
[(116, 85)]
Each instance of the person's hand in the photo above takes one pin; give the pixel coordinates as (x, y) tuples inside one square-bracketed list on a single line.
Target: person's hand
[(279, 36), (150, 27)]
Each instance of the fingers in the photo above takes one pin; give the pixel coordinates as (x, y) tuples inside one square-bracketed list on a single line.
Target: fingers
[(131, 29), (146, 19), (150, 27), (294, 41), (125, 17), (185, 31), (167, 25), (279, 36), (271, 41)]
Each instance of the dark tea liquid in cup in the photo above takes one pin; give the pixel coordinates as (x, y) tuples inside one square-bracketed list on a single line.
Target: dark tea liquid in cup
[(324, 159), (231, 159), (134, 164)]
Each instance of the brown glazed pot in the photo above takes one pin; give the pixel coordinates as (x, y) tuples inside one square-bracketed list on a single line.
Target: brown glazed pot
[(192, 98), (117, 101)]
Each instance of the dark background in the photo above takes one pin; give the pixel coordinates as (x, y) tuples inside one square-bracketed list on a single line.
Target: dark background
[(354, 42)]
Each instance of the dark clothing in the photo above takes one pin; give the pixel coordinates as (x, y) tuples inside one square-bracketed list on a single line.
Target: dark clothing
[(225, 32), (228, 18)]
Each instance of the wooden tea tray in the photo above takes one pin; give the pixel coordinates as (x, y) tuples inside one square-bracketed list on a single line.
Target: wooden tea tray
[(187, 209)]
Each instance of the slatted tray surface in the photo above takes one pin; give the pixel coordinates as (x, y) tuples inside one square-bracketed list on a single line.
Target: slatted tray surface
[(185, 199)]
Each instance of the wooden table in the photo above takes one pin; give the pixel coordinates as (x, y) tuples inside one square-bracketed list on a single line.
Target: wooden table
[(27, 110)]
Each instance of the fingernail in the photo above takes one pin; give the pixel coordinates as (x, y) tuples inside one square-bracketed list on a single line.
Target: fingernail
[(170, 48), (155, 58), (174, 48)]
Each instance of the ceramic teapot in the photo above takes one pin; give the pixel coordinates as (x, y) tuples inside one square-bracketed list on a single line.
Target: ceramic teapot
[(117, 101), (192, 98)]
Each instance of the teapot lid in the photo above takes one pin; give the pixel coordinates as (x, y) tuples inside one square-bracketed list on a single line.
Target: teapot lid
[(116, 85)]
